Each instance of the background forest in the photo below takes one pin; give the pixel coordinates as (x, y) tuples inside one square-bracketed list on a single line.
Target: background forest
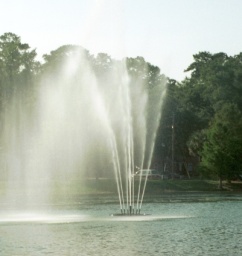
[(201, 121)]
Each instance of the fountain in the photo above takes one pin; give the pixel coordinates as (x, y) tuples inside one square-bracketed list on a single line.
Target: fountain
[(83, 112)]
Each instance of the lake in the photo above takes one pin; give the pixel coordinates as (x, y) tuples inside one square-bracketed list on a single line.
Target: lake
[(194, 224)]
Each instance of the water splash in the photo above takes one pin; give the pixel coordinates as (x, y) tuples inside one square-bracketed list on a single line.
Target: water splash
[(81, 114)]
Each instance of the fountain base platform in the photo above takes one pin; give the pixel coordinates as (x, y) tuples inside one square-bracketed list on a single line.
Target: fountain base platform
[(129, 215)]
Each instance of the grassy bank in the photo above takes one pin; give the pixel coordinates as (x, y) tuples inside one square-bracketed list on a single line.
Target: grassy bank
[(189, 186), (108, 187)]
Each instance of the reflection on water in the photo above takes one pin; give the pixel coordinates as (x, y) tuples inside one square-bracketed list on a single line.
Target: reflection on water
[(30, 217), (52, 218), (182, 228)]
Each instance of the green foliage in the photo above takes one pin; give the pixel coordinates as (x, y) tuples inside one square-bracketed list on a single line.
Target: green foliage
[(215, 80), (57, 59), (201, 105), (17, 67), (102, 63), (217, 86), (140, 70), (221, 153), (16, 58)]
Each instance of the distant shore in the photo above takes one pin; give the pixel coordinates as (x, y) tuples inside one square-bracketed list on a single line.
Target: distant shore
[(158, 187), (107, 187), (193, 186), (163, 191)]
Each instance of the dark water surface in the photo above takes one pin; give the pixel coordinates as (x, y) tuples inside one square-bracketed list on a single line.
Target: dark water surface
[(179, 225)]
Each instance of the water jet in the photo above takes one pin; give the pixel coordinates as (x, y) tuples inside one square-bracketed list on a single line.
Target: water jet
[(87, 112)]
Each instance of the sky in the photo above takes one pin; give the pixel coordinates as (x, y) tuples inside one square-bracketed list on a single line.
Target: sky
[(167, 33)]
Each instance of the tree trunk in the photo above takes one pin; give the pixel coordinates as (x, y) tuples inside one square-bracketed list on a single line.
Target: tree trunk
[(220, 185)]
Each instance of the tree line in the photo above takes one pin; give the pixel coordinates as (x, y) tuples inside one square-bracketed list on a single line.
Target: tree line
[(205, 108)]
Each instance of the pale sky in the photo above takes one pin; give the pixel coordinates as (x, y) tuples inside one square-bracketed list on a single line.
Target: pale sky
[(165, 32)]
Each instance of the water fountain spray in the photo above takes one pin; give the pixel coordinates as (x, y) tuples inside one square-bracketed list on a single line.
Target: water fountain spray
[(80, 102)]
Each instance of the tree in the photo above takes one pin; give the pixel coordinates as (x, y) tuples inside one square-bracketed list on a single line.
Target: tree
[(216, 79), (102, 63), (221, 153), (17, 67), (57, 59)]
